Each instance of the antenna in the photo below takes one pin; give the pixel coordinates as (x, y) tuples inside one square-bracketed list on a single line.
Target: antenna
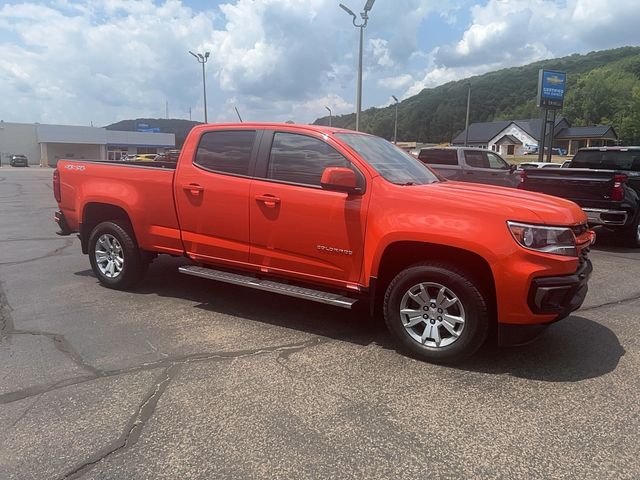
[(238, 113)]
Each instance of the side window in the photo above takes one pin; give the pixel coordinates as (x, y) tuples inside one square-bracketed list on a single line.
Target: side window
[(496, 162), (476, 159), (226, 151), (301, 159), (439, 157)]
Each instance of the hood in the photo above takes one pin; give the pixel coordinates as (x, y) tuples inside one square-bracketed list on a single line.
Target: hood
[(513, 204)]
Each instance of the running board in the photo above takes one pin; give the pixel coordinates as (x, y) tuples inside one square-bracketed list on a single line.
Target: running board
[(270, 286)]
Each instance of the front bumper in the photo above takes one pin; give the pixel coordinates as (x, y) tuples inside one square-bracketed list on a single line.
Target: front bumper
[(557, 296), (560, 295)]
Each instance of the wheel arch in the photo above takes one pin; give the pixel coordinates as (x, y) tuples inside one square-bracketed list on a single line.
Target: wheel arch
[(399, 255), (94, 213)]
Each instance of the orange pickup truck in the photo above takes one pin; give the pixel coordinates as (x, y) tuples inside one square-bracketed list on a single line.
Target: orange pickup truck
[(339, 217)]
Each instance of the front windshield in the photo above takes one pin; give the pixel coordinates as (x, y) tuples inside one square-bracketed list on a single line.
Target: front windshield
[(393, 164)]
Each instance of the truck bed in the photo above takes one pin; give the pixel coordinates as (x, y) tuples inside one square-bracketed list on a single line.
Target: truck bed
[(577, 184), (144, 190)]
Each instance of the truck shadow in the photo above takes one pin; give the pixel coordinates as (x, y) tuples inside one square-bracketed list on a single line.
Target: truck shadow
[(572, 350)]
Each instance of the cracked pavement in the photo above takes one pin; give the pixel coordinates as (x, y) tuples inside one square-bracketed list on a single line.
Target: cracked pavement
[(186, 378)]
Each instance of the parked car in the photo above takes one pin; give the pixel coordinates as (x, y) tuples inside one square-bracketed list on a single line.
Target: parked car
[(146, 157), (469, 165), (539, 165), (18, 161), (605, 182), (337, 217), (533, 149)]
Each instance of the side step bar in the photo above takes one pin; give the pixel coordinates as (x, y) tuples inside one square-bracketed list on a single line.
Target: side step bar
[(269, 285)]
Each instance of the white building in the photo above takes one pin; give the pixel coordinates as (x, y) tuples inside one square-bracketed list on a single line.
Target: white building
[(45, 144), (515, 137)]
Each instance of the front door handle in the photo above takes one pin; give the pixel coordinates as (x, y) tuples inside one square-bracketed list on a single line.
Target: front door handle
[(269, 200), (193, 188)]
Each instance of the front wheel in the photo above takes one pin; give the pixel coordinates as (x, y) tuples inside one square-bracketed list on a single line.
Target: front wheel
[(114, 255), (436, 312)]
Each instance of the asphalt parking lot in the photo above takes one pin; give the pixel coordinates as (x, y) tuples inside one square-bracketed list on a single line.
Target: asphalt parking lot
[(191, 379)]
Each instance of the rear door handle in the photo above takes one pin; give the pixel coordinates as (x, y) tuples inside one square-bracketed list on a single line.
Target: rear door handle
[(269, 200), (193, 188)]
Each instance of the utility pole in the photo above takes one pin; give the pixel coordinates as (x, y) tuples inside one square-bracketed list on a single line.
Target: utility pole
[(203, 59), (365, 17), (466, 124), (395, 127)]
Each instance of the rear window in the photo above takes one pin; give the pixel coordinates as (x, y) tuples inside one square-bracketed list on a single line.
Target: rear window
[(226, 151), (608, 160), (439, 157)]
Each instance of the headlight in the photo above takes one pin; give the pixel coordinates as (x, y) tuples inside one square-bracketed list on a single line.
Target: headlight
[(556, 240)]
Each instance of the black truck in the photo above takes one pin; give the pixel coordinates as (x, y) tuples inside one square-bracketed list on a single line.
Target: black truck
[(605, 182)]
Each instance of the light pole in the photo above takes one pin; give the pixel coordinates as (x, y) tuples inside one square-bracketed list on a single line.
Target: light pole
[(329, 115), (466, 127), (362, 26), (203, 59), (395, 127)]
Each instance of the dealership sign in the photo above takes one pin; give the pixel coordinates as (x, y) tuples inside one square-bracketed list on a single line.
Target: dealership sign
[(144, 127), (551, 88)]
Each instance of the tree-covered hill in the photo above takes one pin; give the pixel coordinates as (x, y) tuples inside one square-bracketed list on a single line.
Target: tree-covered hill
[(602, 88), (166, 125)]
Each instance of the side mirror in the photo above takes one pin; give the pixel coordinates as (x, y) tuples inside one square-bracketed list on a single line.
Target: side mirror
[(340, 179), (513, 167)]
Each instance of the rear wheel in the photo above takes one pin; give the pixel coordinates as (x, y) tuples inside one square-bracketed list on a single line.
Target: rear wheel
[(114, 255), (436, 312)]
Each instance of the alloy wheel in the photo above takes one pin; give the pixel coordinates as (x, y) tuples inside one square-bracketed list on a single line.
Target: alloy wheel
[(432, 314)]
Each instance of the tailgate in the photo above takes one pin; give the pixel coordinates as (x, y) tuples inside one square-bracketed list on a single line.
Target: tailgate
[(575, 184)]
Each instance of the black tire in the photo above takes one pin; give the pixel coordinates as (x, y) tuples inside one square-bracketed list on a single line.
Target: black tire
[(632, 234), (132, 268), (457, 340)]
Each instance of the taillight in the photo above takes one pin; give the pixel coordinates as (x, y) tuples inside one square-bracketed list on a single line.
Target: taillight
[(523, 176), (56, 185), (617, 193)]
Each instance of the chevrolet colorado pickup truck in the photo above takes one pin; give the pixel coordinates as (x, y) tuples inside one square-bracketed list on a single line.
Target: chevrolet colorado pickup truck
[(338, 217), (605, 182)]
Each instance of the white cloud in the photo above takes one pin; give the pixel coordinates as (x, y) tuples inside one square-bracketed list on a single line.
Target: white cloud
[(505, 33), (73, 61), (396, 83), (381, 54)]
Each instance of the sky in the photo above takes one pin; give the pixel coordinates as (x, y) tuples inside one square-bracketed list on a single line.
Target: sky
[(98, 62)]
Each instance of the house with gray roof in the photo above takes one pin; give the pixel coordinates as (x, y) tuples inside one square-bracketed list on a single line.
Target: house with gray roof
[(515, 137)]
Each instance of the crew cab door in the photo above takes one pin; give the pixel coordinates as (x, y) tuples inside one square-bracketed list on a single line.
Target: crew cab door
[(211, 191), (298, 228), (488, 167)]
